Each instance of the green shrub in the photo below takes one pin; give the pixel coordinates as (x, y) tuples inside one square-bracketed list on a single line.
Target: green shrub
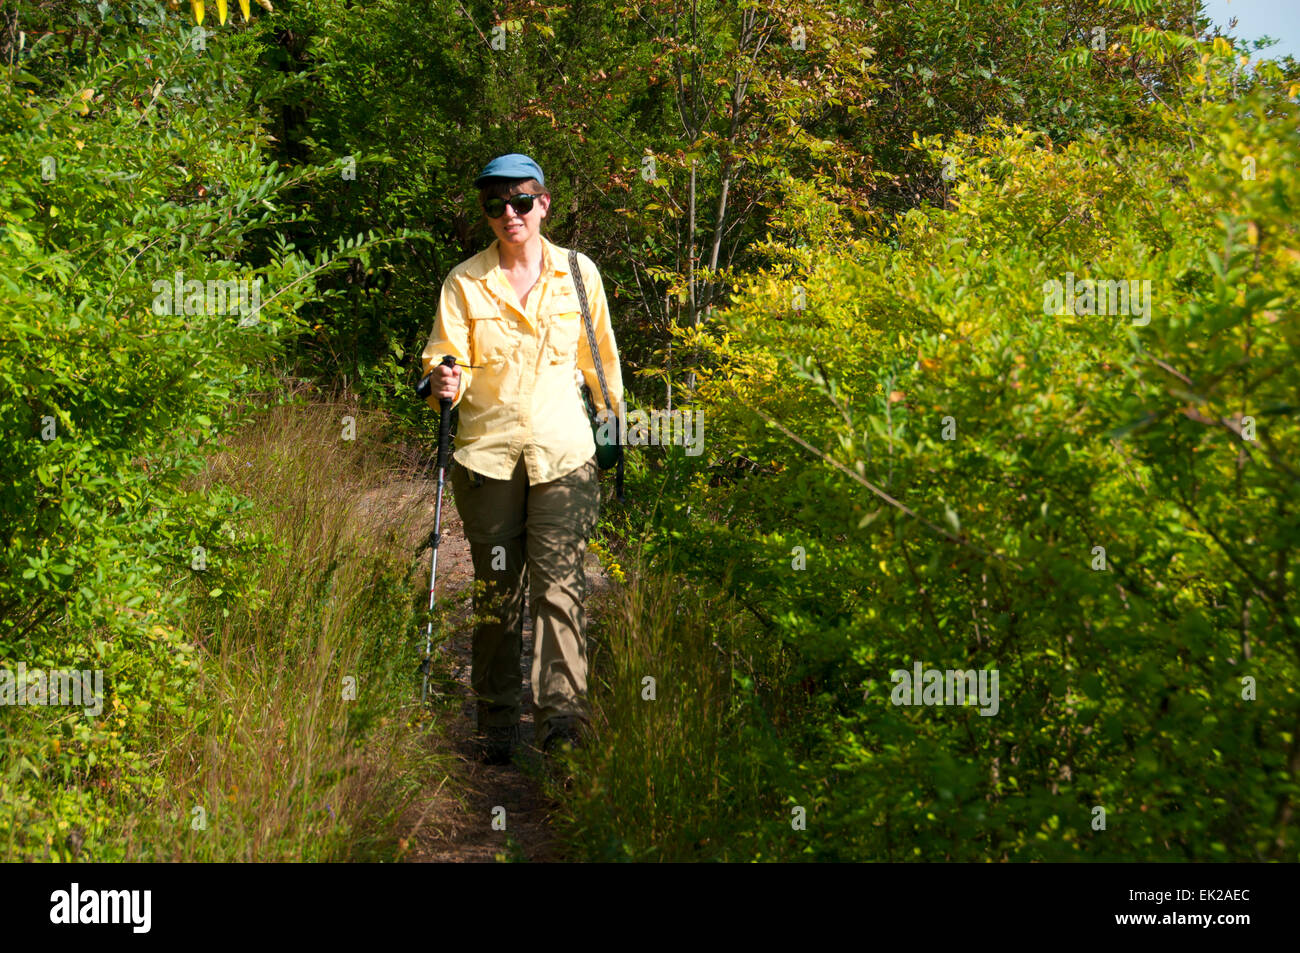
[(919, 465), (129, 166)]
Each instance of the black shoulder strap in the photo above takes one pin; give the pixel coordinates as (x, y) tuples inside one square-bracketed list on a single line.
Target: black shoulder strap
[(586, 320), (600, 370)]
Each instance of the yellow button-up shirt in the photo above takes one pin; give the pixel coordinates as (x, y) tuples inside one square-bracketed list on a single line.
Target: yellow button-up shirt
[(521, 394)]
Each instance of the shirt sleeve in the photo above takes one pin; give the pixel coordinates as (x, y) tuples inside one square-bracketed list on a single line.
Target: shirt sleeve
[(604, 329), (450, 336)]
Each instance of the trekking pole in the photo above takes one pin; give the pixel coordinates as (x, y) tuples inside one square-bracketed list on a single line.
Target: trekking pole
[(444, 439)]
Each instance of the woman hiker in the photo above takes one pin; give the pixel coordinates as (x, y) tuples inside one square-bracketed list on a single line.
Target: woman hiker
[(524, 473)]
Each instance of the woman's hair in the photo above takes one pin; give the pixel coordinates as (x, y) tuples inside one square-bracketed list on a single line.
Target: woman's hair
[(500, 188)]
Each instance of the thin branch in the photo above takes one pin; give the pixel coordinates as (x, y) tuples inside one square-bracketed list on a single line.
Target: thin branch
[(881, 493)]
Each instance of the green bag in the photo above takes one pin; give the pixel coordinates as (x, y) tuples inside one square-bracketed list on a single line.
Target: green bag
[(607, 453)]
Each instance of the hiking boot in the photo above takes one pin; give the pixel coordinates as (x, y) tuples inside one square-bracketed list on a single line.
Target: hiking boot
[(565, 733), (497, 744)]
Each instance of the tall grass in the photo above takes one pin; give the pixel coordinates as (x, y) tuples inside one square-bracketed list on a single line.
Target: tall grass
[(276, 761), (697, 773)]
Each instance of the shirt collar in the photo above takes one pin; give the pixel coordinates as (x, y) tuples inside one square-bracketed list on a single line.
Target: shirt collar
[(554, 260)]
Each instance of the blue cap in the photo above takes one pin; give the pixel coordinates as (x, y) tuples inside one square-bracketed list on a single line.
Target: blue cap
[(512, 166)]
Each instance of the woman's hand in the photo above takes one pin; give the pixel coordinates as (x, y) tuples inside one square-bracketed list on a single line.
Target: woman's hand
[(446, 382)]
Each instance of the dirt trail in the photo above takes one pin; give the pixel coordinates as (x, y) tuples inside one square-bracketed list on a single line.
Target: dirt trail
[(454, 816)]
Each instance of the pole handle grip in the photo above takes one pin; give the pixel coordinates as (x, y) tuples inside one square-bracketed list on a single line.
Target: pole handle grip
[(444, 419), (424, 389)]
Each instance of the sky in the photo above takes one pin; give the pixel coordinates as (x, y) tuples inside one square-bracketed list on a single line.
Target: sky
[(1255, 18)]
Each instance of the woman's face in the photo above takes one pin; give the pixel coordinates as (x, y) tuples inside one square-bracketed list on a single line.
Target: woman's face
[(518, 230)]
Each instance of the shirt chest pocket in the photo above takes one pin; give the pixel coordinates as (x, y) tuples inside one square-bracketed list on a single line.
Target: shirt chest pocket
[(562, 339), (493, 338)]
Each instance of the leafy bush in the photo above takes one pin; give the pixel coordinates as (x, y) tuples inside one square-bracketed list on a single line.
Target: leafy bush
[(920, 463), (132, 168)]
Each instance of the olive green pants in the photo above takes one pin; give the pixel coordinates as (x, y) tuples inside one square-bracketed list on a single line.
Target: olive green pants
[(535, 538)]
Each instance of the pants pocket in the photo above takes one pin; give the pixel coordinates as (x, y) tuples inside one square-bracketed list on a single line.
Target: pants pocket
[(464, 475), (591, 486)]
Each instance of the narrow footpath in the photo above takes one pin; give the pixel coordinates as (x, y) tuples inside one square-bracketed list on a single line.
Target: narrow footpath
[(453, 818)]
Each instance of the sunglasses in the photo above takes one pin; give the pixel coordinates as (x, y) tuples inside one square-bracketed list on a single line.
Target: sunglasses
[(522, 203)]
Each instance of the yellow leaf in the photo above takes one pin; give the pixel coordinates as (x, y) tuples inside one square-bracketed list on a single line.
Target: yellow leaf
[(197, 7), (243, 8), (221, 12)]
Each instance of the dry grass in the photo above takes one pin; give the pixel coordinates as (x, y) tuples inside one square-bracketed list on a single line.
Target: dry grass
[(277, 762)]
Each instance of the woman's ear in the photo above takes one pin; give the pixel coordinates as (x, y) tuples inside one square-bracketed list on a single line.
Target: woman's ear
[(545, 203)]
